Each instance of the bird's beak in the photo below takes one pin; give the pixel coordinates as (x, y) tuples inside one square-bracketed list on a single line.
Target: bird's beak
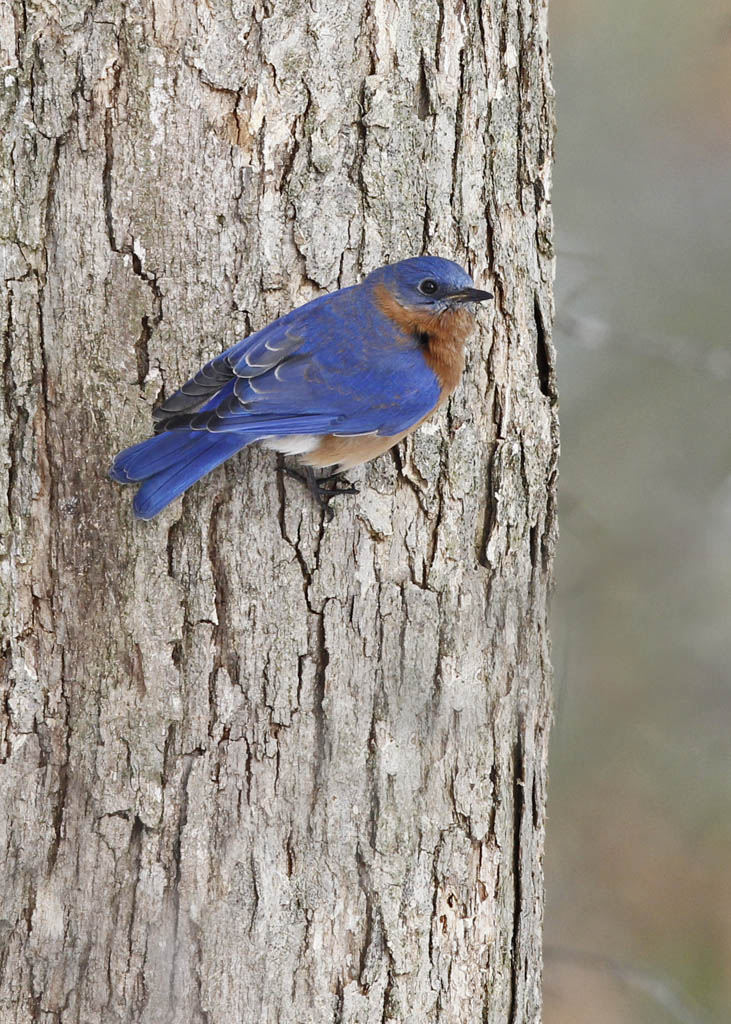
[(471, 295)]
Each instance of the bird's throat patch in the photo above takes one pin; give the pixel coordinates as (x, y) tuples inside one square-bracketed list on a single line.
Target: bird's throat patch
[(441, 336)]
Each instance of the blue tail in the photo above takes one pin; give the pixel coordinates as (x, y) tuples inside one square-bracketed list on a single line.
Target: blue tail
[(170, 462)]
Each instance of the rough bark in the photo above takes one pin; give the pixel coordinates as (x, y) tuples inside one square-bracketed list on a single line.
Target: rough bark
[(254, 766)]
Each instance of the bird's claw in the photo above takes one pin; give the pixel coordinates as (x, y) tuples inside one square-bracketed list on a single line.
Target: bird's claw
[(323, 495)]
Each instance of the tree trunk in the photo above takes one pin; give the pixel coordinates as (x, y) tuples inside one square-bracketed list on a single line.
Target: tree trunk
[(257, 766)]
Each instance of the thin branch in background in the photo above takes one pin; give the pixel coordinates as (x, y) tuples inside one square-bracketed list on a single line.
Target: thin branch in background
[(661, 991)]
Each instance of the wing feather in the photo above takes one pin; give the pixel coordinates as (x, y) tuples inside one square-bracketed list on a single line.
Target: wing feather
[(337, 364)]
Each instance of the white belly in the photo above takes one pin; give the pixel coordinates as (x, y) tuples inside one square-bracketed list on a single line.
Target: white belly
[(292, 444)]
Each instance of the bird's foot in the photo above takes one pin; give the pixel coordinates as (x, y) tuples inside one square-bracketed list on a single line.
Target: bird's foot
[(319, 489)]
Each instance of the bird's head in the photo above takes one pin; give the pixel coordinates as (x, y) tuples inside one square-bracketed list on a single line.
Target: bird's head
[(429, 284)]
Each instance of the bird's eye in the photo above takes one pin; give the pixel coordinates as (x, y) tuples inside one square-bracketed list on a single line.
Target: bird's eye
[(428, 287)]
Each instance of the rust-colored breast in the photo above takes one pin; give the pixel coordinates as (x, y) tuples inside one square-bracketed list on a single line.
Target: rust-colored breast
[(442, 336)]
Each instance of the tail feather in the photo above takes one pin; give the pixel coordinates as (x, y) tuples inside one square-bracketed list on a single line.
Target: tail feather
[(153, 455), (170, 463)]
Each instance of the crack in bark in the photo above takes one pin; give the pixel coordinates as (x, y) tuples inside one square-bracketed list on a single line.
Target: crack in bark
[(515, 1013), (372, 947), (458, 134), (149, 321), (289, 161), (439, 35), (226, 655), (109, 163), (520, 105), (423, 100), (543, 359), (356, 171), (255, 881), (174, 885), (432, 541), (322, 659), (134, 855), (6, 743), (425, 233), (56, 824), (489, 519), (404, 477), (17, 414)]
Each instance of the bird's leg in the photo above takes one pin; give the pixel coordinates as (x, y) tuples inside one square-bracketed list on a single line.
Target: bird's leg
[(341, 485), (323, 495)]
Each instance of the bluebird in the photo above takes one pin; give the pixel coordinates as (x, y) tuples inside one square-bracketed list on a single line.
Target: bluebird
[(337, 382)]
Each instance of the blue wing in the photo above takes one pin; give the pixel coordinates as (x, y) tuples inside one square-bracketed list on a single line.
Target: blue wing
[(335, 365), (338, 360)]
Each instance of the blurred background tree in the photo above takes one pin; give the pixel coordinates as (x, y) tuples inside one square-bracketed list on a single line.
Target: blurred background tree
[(639, 840)]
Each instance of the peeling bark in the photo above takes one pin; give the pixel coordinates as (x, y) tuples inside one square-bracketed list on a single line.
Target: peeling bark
[(256, 766)]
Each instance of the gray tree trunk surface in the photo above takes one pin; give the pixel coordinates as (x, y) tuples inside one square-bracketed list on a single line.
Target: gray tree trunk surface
[(255, 766)]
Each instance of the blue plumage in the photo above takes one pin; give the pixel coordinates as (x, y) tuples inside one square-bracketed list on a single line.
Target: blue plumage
[(340, 365), (197, 455)]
